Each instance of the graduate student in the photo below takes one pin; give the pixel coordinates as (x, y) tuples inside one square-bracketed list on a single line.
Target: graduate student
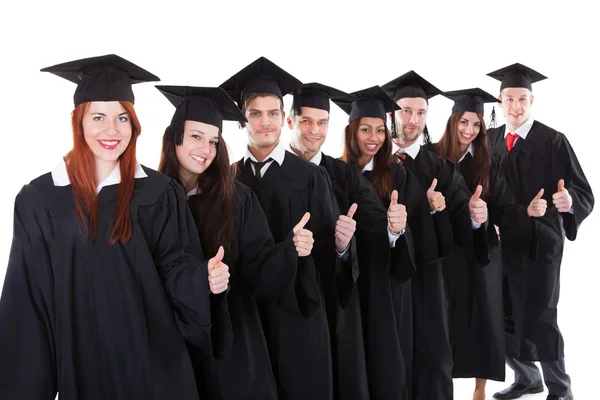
[(387, 295), (104, 283), (536, 156), (474, 292), (287, 187), (228, 213), (453, 210), (375, 233)]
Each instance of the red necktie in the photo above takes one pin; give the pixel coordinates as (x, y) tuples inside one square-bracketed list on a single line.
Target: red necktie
[(400, 157), (510, 140)]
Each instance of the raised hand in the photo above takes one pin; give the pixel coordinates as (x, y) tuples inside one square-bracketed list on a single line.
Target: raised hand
[(218, 272), (303, 238), (478, 207), (537, 207), (344, 229), (562, 198), (437, 201), (396, 214)]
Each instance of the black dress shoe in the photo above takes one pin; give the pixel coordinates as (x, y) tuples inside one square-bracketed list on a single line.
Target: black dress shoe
[(517, 390), (568, 396)]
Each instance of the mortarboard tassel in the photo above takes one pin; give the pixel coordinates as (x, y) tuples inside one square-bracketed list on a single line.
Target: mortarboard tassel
[(493, 118), (179, 119), (426, 137), (394, 134)]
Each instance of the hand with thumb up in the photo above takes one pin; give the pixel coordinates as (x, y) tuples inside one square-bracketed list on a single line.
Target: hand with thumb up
[(396, 215), (562, 199), (537, 207), (344, 229), (437, 201), (218, 273), (303, 238), (478, 207)]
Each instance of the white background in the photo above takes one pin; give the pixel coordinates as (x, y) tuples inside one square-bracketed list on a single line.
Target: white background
[(348, 46)]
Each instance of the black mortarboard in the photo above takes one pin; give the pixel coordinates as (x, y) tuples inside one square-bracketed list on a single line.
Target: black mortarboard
[(261, 76), (314, 95), (410, 84), (516, 76), (210, 105), (470, 100), (371, 102), (103, 78)]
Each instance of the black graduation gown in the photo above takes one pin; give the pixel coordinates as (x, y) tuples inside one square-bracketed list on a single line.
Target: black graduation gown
[(537, 162), (475, 292), (300, 345), (432, 352), (387, 290), (350, 187), (259, 269), (101, 321)]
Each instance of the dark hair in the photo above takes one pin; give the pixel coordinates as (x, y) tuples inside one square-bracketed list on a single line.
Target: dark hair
[(448, 147), (382, 177), (214, 209)]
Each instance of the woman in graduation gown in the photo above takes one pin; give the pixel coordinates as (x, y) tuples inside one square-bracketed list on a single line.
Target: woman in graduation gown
[(384, 284), (475, 291), (228, 213), (104, 280)]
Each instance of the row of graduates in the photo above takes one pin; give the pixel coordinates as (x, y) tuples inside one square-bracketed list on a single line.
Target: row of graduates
[(401, 290)]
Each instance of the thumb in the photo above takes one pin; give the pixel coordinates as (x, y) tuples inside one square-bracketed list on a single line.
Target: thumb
[(433, 184), (352, 210), (394, 197), (477, 193), (561, 185), (539, 195), (302, 222), (213, 262)]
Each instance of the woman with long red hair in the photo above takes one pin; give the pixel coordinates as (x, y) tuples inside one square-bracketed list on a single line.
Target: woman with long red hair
[(105, 281), (227, 213), (475, 292)]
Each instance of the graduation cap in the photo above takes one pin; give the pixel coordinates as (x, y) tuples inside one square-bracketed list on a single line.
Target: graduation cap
[(261, 76), (210, 105), (103, 78), (470, 100), (410, 84), (314, 95), (517, 76), (371, 102)]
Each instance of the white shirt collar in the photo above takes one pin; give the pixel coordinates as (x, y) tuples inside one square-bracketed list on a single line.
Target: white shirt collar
[(278, 154), (370, 165), (469, 150), (412, 150), (61, 178), (317, 158), (193, 192), (523, 129)]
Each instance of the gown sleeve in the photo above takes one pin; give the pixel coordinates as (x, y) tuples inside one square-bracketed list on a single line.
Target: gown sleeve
[(565, 165), (27, 353), (175, 247)]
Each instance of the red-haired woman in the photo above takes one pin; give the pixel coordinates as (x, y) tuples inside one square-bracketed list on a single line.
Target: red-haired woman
[(475, 292), (104, 283), (228, 214)]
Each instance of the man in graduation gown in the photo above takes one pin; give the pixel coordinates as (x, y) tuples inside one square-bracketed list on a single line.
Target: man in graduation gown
[(459, 219), (534, 157), (287, 187), (375, 233)]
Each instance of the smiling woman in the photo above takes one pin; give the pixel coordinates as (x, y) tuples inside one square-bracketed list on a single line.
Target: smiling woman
[(105, 311)]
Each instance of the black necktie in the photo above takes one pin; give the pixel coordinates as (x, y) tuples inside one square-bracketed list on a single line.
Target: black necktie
[(258, 166)]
